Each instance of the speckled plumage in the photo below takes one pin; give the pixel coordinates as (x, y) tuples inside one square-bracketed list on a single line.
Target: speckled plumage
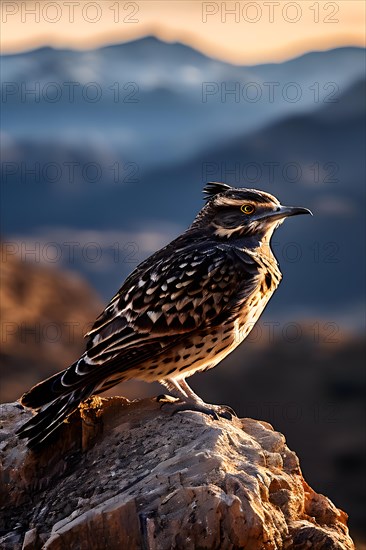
[(180, 311)]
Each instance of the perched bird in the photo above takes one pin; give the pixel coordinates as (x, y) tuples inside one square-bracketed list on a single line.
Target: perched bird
[(181, 311)]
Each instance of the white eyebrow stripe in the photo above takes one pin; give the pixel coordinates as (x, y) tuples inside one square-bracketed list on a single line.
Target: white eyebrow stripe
[(262, 197), (225, 201)]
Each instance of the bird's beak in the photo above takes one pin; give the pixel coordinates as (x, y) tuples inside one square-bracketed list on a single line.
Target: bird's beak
[(286, 211)]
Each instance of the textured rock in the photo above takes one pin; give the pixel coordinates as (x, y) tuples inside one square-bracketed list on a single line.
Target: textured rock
[(126, 475)]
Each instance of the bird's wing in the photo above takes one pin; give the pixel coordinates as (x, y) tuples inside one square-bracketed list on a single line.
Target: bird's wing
[(173, 296), (155, 308)]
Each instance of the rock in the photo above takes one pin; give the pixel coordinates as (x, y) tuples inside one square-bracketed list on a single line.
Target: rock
[(128, 475)]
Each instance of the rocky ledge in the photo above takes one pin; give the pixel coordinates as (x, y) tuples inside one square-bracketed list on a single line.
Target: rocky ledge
[(127, 475)]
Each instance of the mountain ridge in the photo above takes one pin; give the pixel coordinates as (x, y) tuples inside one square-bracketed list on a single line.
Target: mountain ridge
[(153, 40)]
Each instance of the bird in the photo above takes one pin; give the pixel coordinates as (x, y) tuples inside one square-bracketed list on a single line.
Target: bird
[(181, 311)]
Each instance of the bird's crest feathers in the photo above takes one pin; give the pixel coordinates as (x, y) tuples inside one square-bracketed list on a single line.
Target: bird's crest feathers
[(213, 188)]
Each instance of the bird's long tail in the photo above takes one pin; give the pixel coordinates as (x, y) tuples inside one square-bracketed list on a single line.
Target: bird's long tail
[(53, 407)]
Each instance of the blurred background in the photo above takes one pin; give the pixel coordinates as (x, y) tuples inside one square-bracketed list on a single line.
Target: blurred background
[(114, 115)]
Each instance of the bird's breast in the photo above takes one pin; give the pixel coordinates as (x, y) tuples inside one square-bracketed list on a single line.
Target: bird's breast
[(253, 305)]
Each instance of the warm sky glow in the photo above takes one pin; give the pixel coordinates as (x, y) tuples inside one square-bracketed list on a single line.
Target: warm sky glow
[(240, 32)]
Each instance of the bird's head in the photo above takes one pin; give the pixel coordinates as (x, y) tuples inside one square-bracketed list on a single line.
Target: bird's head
[(232, 212)]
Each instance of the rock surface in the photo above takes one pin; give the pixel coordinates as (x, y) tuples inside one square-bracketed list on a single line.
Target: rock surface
[(127, 475)]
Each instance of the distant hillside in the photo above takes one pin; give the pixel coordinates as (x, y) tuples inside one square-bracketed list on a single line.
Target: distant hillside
[(44, 315), (154, 103)]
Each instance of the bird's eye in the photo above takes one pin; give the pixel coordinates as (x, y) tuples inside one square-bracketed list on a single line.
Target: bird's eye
[(247, 208)]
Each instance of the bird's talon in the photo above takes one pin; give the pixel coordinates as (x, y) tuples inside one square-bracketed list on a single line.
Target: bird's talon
[(215, 411), (227, 415), (227, 412)]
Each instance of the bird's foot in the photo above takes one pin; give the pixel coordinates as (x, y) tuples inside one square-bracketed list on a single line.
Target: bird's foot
[(216, 411)]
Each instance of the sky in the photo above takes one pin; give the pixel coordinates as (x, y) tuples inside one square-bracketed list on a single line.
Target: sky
[(238, 32)]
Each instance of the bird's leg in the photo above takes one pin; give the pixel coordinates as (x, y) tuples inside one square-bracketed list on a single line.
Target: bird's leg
[(189, 392), (190, 401), (221, 410)]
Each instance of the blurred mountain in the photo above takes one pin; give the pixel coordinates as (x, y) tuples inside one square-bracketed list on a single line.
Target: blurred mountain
[(157, 64), (44, 315), (155, 103)]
